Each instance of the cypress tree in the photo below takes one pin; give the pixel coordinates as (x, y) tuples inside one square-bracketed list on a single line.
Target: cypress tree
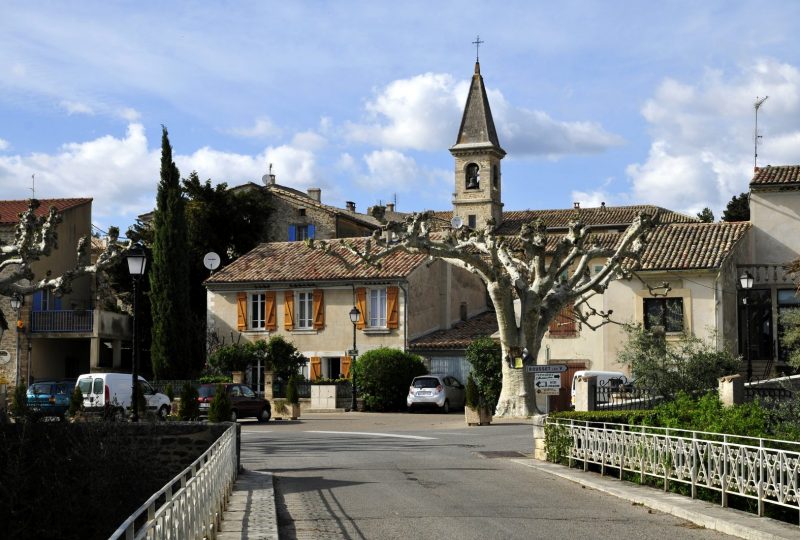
[(169, 278)]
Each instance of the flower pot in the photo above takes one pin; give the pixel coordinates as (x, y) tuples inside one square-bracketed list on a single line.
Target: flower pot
[(238, 377), (295, 411), (477, 417)]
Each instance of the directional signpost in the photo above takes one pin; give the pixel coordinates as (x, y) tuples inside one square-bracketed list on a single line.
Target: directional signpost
[(547, 378)]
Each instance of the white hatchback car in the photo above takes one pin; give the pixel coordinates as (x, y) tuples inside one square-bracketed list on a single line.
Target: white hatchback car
[(442, 391)]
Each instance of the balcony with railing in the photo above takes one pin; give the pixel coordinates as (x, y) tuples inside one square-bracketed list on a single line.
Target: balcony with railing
[(95, 323)]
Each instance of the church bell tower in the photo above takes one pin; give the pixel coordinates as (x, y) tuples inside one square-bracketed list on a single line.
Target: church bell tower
[(477, 154)]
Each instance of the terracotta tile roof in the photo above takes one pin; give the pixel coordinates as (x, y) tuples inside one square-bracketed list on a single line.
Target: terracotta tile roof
[(460, 336), (295, 262), (10, 210), (601, 216), (305, 199), (680, 246), (779, 176)]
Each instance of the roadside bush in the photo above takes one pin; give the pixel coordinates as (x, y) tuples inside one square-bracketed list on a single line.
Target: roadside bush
[(485, 356), (189, 408), (383, 377), (472, 398), (211, 379), (292, 397), (220, 409), (75, 402)]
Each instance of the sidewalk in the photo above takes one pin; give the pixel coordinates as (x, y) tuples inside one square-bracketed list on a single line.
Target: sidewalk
[(251, 509), (708, 515)]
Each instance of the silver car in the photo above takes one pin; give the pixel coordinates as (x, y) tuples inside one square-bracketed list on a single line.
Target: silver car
[(442, 391)]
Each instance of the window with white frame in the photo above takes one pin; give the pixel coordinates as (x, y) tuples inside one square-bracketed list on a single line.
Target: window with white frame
[(258, 311), (305, 309), (376, 308)]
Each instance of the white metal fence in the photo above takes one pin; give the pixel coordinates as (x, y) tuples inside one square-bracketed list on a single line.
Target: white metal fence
[(190, 506), (765, 470)]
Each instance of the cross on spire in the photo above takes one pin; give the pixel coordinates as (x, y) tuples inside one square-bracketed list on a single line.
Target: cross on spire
[(477, 44)]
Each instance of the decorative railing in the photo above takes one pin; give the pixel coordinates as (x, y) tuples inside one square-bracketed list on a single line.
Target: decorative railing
[(75, 320), (626, 397), (190, 506), (765, 470)]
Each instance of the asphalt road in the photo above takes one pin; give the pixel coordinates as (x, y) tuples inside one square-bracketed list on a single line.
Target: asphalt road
[(386, 476)]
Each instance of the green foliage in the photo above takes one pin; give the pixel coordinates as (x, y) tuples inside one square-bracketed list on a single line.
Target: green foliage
[(383, 376), (189, 408), (738, 208), (75, 402), (633, 417), (557, 443), (706, 215), (170, 349), (169, 392), (687, 364), (234, 357), (212, 378), (291, 391), (277, 354), (790, 320), (220, 409), (19, 405), (282, 356), (472, 398), (485, 356)]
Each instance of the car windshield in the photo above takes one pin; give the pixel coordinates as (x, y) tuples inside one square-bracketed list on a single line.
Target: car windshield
[(426, 382), (207, 391), (40, 388), (86, 386)]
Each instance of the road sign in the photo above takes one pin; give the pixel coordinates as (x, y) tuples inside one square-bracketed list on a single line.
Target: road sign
[(352, 352), (549, 368), (547, 383)]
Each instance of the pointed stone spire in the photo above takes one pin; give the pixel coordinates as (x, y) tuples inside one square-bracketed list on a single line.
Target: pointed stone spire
[(477, 125)]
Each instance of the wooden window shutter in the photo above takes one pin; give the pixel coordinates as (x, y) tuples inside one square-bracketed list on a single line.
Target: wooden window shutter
[(361, 304), (288, 310), (564, 323), (316, 368), (392, 311), (292, 233), (319, 309), (345, 365), (271, 323), (241, 311)]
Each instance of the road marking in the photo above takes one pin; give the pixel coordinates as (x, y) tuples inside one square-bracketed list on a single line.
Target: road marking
[(376, 435)]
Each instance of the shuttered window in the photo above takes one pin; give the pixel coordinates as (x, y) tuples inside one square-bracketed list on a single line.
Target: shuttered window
[(377, 308), (305, 304), (257, 311), (564, 324)]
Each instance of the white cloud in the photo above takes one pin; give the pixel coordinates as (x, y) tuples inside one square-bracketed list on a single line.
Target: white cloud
[(702, 148), (389, 172), (76, 107), (262, 127), (421, 112), (4, 144), (129, 114)]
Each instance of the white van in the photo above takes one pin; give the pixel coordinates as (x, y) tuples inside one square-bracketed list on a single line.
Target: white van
[(604, 378), (111, 393)]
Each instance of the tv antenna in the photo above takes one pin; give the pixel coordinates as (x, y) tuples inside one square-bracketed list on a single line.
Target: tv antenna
[(756, 136), (33, 186)]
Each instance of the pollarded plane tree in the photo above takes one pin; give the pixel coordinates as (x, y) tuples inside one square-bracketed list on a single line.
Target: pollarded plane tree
[(35, 238), (544, 273)]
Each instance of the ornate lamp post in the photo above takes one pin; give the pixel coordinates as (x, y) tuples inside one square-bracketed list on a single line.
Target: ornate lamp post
[(355, 315), (16, 304), (746, 281), (137, 260)]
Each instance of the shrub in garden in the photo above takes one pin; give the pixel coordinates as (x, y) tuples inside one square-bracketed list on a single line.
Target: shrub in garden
[(383, 376), (292, 397), (189, 408), (75, 402), (472, 397), (485, 356), (220, 409)]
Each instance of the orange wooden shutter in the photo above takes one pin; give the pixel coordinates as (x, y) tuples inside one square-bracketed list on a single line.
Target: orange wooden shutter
[(361, 304), (564, 323), (316, 368), (319, 309), (241, 311), (345, 361), (288, 310), (271, 323), (392, 316)]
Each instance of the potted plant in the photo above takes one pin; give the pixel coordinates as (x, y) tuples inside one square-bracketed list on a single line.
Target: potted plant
[(475, 412), (293, 398)]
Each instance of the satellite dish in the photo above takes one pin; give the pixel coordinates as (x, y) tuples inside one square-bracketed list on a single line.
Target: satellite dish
[(456, 222), (211, 260)]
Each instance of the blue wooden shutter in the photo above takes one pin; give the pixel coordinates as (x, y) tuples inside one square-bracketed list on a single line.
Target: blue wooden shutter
[(37, 301), (292, 233), (57, 303), (311, 231)]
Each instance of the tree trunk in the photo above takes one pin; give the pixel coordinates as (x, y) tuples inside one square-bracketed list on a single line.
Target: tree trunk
[(517, 396)]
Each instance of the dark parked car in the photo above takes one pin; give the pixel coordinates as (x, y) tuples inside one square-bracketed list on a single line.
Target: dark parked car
[(244, 402), (50, 399)]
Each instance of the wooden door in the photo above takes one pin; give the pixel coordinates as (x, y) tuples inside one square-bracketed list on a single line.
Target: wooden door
[(563, 401)]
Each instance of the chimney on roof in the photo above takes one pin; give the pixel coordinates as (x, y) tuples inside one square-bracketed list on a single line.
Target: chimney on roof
[(315, 193), (576, 205), (390, 207), (350, 206)]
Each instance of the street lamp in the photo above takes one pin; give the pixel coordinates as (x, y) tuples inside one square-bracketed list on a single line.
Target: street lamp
[(16, 304), (746, 281), (355, 315), (137, 260)]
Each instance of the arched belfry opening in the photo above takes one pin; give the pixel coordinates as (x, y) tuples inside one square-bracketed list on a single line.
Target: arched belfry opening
[(472, 176)]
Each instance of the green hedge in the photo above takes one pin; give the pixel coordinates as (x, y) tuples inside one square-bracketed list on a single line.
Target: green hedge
[(383, 377)]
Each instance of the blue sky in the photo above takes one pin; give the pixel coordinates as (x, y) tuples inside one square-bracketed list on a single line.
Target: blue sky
[(621, 102)]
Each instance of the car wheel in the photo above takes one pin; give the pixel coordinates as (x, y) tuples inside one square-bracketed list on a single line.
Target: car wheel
[(163, 412), (234, 415), (446, 407), (265, 415)]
